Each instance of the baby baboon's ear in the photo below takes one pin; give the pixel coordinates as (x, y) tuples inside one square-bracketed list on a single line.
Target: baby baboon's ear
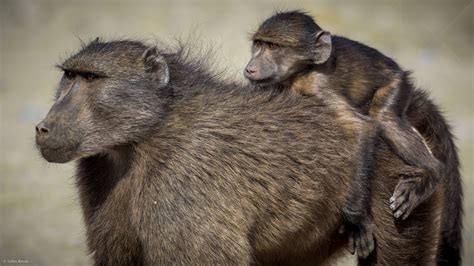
[(322, 47), (156, 66)]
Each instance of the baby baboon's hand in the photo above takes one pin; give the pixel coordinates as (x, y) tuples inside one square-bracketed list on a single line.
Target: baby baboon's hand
[(361, 238), (406, 197)]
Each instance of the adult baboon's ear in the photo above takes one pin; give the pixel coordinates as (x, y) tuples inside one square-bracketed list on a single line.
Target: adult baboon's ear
[(156, 66), (322, 47)]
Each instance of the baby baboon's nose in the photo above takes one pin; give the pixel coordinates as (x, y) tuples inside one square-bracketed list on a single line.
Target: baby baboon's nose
[(42, 129), (250, 72)]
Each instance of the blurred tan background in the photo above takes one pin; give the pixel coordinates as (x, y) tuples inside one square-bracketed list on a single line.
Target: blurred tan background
[(40, 218)]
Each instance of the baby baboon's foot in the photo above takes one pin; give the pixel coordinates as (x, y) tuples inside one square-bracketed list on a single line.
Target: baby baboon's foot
[(406, 197)]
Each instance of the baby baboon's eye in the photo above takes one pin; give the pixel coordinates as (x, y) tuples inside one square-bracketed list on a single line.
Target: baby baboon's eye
[(257, 43), (272, 46), (69, 74)]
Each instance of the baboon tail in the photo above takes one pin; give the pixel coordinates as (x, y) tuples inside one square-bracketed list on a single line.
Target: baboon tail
[(426, 117)]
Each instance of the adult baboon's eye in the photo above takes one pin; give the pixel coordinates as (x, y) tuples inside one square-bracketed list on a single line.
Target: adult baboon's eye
[(90, 76), (69, 74)]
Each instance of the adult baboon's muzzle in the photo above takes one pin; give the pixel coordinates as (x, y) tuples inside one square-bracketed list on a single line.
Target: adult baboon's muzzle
[(55, 146), (57, 136)]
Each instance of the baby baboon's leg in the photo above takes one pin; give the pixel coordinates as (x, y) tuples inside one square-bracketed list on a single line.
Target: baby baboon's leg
[(388, 107)]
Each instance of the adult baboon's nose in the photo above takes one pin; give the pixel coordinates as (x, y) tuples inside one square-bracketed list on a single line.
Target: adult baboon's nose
[(42, 129), (250, 70)]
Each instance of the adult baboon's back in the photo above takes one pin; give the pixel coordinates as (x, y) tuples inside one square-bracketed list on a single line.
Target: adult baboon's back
[(177, 167)]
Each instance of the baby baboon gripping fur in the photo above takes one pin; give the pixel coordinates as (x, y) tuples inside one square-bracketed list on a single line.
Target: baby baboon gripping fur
[(178, 167), (425, 116), (291, 50)]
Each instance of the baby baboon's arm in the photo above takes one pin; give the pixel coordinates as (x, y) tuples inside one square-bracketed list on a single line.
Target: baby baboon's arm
[(357, 217)]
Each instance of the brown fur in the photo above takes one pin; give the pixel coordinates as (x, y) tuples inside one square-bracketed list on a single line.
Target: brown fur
[(189, 169), (291, 51)]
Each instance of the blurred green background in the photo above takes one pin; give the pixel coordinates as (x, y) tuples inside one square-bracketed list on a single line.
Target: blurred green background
[(40, 218)]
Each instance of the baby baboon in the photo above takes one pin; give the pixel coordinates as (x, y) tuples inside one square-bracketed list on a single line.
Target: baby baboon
[(176, 166), (291, 50)]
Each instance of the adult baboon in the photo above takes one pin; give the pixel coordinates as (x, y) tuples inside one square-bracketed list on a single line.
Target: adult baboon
[(176, 166)]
